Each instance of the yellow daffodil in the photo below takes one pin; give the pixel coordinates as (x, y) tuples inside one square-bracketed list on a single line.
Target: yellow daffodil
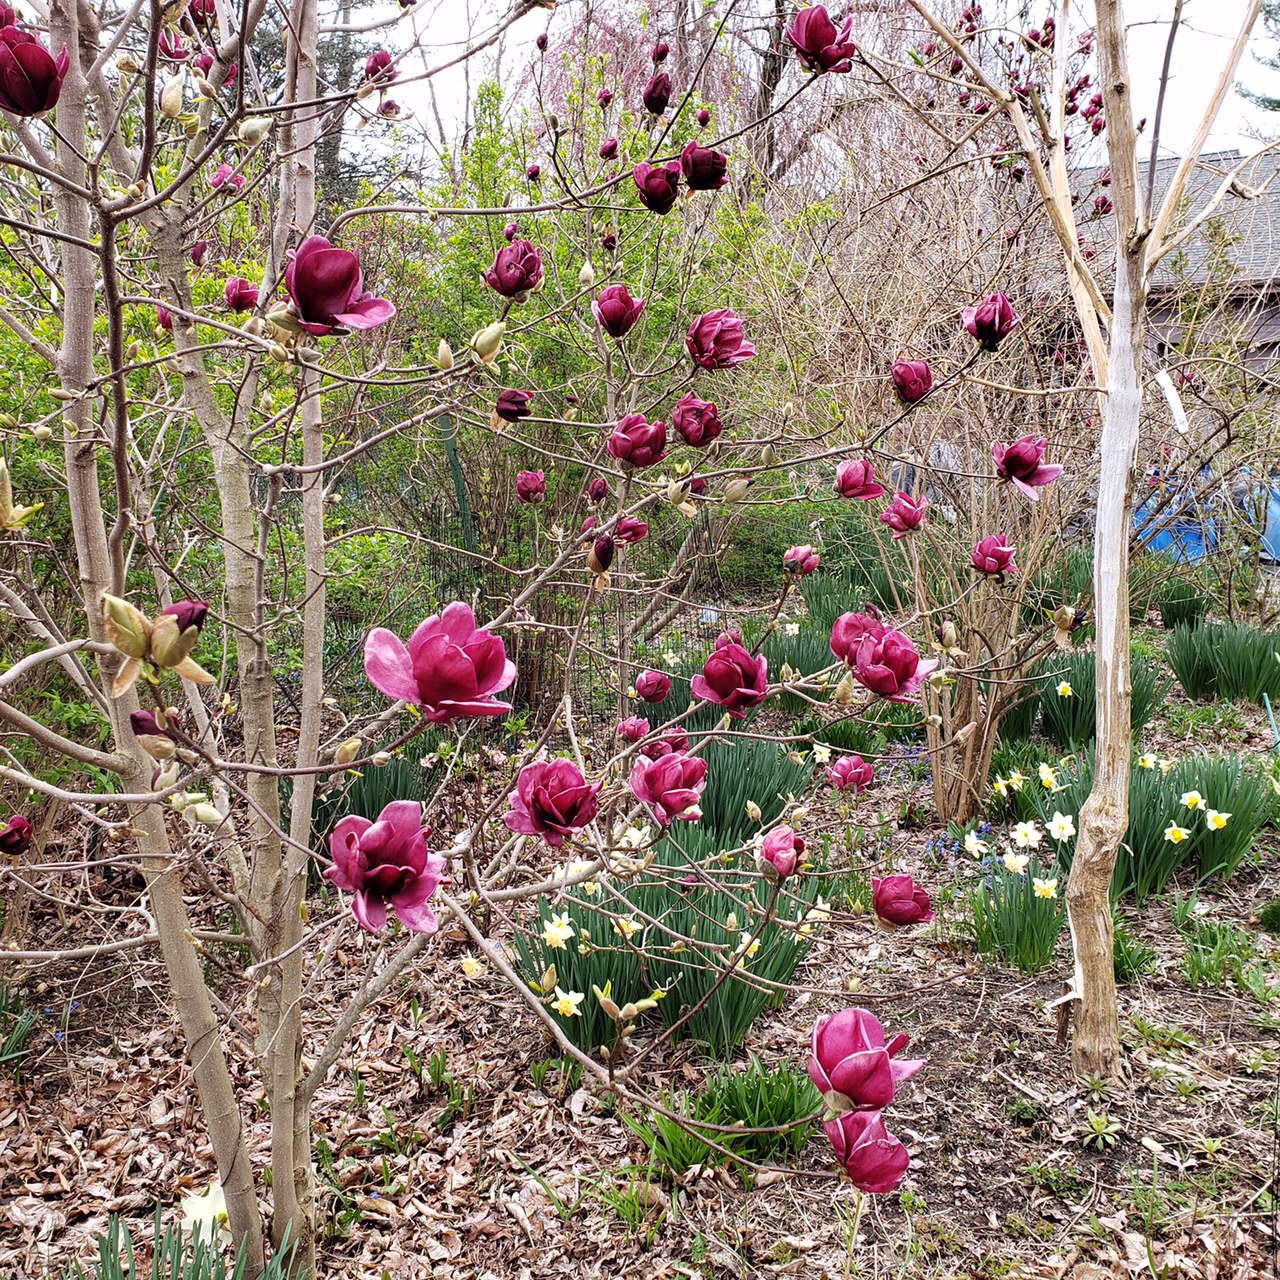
[(1165, 765), (566, 1003), (1045, 888), (557, 931), (1175, 834), (1001, 787), (1047, 776), (1026, 835), (1016, 863), (1192, 799), (1016, 780), (973, 845), (1146, 761), (471, 967), (1065, 690), (821, 752), (1062, 826), (748, 944), (626, 927), (1215, 820)]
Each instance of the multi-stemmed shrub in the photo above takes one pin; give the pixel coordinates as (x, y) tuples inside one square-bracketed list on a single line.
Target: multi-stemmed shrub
[(1225, 660)]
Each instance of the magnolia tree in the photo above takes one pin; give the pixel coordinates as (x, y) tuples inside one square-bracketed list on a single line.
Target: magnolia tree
[(201, 366)]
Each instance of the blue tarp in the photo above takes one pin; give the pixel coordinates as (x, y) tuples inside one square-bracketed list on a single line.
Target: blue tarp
[(1186, 527)]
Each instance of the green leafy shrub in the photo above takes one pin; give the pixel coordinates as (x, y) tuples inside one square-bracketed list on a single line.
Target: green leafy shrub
[(1017, 916), (1182, 604), (1071, 719), (1225, 660), (672, 931), (773, 1107)]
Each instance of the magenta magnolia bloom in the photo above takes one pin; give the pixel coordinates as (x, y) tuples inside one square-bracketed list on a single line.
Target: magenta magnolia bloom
[(629, 529), (386, 863), (203, 63), (674, 743), (512, 404), (818, 45), (604, 98), (671, 786), (857, 479), (327, 288), (904, 514), (659, 52), (653, 686), (609, 149), (657, 93), (450, 668), (552, 800), (703, 168), (30, 76), (1022, 462), (516, 271), (874, 1159), (716, 340), (616, 311), (851, 773), (637, 442), (891, 667), (732, 678), (913, 380), (240, 294), (848, 1056), (782, 850), (225, 176), (899, 900), (15, 838), (851, 629), (164, 318), (198, 251), (531, 486), (633, 728), (992, 320), (380, 67), (696, 420), (657, 185), (203, 12), (801, 561), (159, 743), (172, 47), (598, 489), (994, 555)]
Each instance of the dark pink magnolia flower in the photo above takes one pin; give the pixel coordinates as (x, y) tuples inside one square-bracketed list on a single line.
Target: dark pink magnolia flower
[(904, 514), (857, 479), (782, 850), (608, 242), (659, 52), (240, 294), (516, 271), (851, 629), (541, 42), (552, 800), (696, 420), (671, 786), (609, 149), (513, 404), (657, 93), (225, 176), (198, 252), (899, 900), (389, 109), (801, 561), (172, 47), (653, 686), (533, 172), (451, 667), (891, 667), (657, 185), (637, 442), (600, 557), (874, 1159), (992, 320), (203, 63), (716, 340), (994, 555), (629, 529), (510, 231), (30, 76), (1023, 463), (732, 678), (697, 485), (531, 486), (598, 489), (603, 98), (386, 864), (848, 1056), (380, 67), (818, 44), (913, 380), (703, 168), (157, 742), (16, 836), (327, 288), (164, 318), (633, 728), (616, 310), (851, 773), (704, 117), (203, 12), (674, 743)]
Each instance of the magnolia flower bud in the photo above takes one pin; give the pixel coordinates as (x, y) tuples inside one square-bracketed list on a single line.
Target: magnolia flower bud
[(753, 811), (166, 776), (382, 757), (254, 129), (204, 88), (549, 978), (947, 635), (127, 628), (205, 814), (254, 326), (444, 355), (347, 752), (127, 65), (587, 276), (731, 922), (611, 1010), (42, 432), (278, 353), (843, 694), (486, 343), (737, 488), (171, 97)]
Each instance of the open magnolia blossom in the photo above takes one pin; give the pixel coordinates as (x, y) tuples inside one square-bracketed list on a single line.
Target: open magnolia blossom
[(851, 1065), (327, 289)]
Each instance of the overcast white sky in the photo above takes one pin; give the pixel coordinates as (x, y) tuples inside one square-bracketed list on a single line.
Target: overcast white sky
[(1208, 28)]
